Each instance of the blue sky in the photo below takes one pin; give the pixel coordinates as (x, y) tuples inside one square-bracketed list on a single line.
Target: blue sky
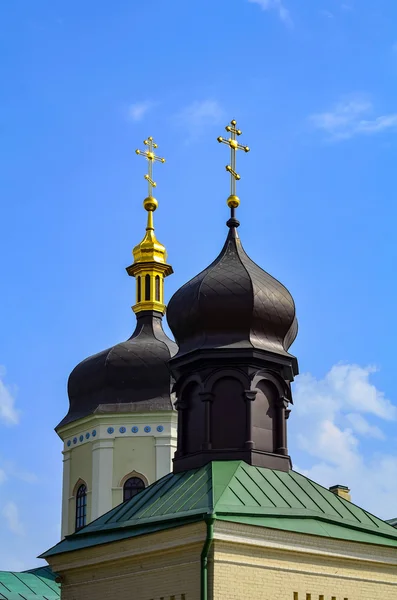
[(312, 85)]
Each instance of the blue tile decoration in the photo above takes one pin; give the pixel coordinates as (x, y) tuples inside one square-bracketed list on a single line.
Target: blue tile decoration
[(93, 433), (160, 428), (81, 438), (135, 429), (74, 440), (87, 435), (147, 429), (122, 430), (110, 430), (69, 443)]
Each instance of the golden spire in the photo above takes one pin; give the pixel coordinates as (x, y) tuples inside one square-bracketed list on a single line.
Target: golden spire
[(150, 266), (233, 201)]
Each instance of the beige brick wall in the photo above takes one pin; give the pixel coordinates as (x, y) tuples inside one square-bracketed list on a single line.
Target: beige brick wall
[(152, 567), (269, 574), (149, 578), (246, 563)]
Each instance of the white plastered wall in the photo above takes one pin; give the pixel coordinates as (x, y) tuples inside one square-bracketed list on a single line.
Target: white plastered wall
[(102, 450), (80, 468)]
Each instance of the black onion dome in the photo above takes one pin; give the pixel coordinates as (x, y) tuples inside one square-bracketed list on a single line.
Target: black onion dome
[(233, 303), (131, 376)]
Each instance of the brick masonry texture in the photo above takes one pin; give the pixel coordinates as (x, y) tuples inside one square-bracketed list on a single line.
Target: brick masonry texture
[(253, 564), (263, 574)]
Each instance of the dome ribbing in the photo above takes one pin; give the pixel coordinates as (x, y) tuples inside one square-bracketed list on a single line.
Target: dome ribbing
[(128, 377), (233, 303)]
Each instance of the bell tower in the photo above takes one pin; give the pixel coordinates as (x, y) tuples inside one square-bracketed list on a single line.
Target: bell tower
[(233, 324)]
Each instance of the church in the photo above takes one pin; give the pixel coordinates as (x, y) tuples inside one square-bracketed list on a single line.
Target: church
[(177, 479)]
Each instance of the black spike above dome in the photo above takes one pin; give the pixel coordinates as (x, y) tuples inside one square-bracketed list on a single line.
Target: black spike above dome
[(131, 376), (233, 304)]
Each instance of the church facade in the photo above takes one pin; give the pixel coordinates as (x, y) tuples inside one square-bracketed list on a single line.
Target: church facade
[(231, 520)]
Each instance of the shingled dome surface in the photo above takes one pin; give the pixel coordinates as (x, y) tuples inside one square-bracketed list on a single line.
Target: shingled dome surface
[(131, 375), (233, 303)]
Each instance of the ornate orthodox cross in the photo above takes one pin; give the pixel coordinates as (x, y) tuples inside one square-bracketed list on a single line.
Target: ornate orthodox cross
[(234, 146), (151, 158)]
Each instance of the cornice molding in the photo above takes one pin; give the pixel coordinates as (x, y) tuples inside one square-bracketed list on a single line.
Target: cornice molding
[(301, 543)]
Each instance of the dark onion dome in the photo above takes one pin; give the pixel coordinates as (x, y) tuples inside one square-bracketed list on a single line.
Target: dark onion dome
[(134, 375), (131, 376), (233, 304)]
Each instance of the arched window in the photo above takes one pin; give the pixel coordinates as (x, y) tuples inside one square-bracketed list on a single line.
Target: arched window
[(147, 287), (139, 288), (132, 487), (81, 506), (157, 288)]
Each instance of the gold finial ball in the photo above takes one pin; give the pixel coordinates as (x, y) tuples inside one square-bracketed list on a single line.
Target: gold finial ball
[(150, 204), (233, 201), (234, 122)]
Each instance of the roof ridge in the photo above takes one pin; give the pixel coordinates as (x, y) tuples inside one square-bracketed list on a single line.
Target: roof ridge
[(228, 477)]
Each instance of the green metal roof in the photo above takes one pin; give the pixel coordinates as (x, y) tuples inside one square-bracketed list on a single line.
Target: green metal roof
[(37, 584), (234, 491)]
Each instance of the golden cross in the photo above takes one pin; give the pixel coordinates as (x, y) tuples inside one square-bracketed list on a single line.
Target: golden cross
[(151, 158), (234, 145)]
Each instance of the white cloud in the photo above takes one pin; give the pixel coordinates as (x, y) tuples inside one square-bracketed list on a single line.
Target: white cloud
[(351, 383), (327, 423), (26, 476), (330, 443), (345, 386), (199, 115), (278, 7), (351, 118), (11, 514), (11, 470), (8, 413), (361, 426), (138, 110)]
